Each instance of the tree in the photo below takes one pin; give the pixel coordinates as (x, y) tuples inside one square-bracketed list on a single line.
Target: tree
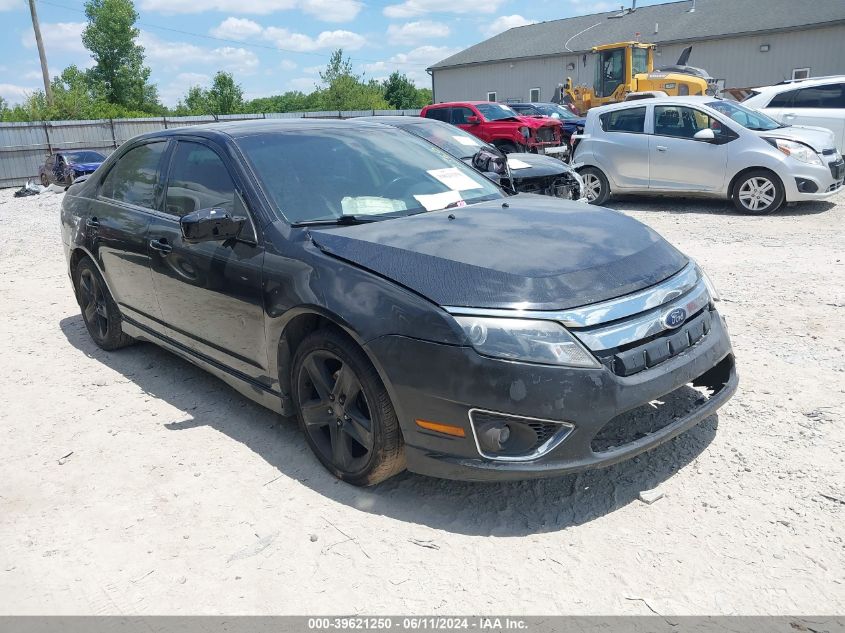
[(225, 96), (344, 90), (119, 61), (400, 92)]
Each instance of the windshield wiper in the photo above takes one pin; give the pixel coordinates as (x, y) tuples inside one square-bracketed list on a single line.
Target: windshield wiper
[(342, 220)]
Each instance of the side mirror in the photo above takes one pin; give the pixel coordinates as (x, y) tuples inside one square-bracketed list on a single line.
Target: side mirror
[(210, 225), (705, 135), (473, 120)]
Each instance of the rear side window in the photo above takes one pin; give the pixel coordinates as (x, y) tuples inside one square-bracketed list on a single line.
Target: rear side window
[(460, 115), (820, 97), (438, 114), (630, 120), (133, 178), (198, 180), (783, 100)]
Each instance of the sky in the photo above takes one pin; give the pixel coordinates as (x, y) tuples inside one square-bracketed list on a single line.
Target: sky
[(271, 46)]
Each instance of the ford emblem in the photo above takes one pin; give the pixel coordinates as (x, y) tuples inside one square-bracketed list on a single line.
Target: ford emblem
[(674, 318)]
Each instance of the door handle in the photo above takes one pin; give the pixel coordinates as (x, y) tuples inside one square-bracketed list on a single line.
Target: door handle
[(662, 148), (161, 246), (92, 223)]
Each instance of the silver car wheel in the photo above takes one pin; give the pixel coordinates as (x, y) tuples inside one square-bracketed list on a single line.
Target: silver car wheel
[(757, 193), (592, 186)]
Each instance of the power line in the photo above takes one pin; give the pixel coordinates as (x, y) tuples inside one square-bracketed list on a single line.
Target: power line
[(239, 42)]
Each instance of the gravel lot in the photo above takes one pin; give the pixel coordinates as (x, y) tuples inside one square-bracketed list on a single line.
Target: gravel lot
[(133, 483)]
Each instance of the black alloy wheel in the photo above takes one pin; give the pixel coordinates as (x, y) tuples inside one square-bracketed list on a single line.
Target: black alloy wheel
[(99, 311), (345, 411)]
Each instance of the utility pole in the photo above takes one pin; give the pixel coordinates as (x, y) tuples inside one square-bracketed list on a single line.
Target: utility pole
[(40, 43)]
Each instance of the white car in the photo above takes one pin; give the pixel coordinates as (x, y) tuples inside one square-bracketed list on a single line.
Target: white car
[(705, 146), (819, 101)]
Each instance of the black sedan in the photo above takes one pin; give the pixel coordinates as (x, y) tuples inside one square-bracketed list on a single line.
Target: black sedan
[(65, 167), (400, 304), (521, 172)]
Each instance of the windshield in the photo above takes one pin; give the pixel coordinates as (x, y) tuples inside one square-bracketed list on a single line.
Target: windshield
[(746, 117), (84, 157), (322, 174), (447, 137), (556, 111), (496, 111)]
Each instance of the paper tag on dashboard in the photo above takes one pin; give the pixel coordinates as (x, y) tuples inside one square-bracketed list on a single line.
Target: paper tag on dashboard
[(437, 201), (463, 140), (454, 179), (515, 163)]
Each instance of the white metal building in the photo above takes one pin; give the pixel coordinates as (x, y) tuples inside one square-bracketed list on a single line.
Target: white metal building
[(741, 42)]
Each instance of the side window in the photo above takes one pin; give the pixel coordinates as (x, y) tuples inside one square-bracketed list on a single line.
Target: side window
[(628, 120), (438, 114), (198, 180), (133, 178), (682, 122), (610, 72), (820, 97), (783, 100), (459, 115)]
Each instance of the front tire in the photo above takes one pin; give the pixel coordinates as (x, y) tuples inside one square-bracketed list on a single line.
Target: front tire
[(45, 182), (99, 310), (596, 187), (344, 410), (758, 192)]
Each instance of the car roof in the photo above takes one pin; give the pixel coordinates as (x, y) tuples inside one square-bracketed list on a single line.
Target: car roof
[(641, 103), (396, 120), (794, 84)]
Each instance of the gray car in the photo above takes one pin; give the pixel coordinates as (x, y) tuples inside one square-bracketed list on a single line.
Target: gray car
[(705, 146)]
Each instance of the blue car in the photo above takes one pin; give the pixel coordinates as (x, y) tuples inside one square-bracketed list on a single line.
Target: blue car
[(572, 123), (65, 167)]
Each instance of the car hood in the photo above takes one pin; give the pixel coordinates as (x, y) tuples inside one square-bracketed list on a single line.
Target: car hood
[(539, 166), (537, 122), (85, 166), (540, 253), (818, 138)]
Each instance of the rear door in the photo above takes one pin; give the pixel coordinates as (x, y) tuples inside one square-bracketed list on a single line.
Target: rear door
[(620, 148), (821, 106), (679, 162), (116, 227), (211, 292)]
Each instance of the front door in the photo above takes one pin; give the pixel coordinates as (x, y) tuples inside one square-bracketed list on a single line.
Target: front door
[(679, 162), (210, 292), (116, 229)]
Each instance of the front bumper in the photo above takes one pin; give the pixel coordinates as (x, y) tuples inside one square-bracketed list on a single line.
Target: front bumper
[(826, 180), (444, 383)]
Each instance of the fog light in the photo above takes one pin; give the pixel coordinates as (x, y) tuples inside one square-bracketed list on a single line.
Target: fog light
[(512, 437), (494, 437)]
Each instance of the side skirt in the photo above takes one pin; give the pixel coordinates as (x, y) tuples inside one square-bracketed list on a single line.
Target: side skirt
[(242, 383)]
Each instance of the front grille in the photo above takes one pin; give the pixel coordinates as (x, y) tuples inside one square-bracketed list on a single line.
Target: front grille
[(828, 152), (546, 134), (645, 354)]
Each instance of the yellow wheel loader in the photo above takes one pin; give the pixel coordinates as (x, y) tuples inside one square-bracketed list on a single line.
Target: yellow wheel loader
[(628, 67)]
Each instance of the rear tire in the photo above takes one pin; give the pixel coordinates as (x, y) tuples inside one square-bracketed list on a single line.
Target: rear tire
[(45, 182), (508, 148), (99, 311), (596, 187), (758, 192), (344, 409)]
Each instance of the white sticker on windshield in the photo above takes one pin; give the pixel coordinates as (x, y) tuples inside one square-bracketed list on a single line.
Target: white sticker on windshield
[(453, 178), (465, 140), (437, 201), (370, 205), (515, 163)]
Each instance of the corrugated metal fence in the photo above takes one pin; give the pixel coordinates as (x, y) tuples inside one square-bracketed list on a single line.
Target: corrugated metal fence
[(25, 146)]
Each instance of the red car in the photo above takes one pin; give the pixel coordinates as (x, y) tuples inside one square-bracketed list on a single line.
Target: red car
[(501, 126)]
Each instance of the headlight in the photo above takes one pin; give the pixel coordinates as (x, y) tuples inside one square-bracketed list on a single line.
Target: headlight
[(798, 151), (708, 283), (525, 132), (532, 341)]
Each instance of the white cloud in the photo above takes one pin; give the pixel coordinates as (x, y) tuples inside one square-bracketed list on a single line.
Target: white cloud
[(413, 63), (235, 60), (168, 55), (287, 64), (584, 7), (11, 5), (300, 42), (325, 10), (63, 37), (303, 84), (170, 94), (15, 94), (412, 33), (237, 29), (503, 23), (313, 70), (414, 8)]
